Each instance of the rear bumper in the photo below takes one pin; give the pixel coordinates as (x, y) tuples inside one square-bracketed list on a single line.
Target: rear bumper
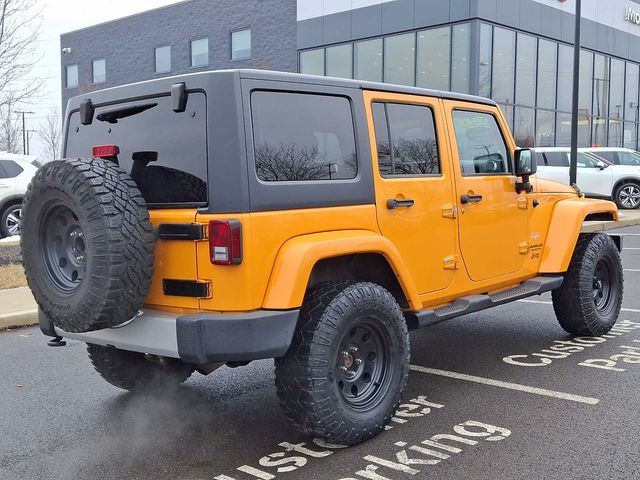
[(196, 338)]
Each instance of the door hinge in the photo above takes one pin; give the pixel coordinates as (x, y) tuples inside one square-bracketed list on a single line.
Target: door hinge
[(451, 262), (523, 248), (449, 211), (523, 203)]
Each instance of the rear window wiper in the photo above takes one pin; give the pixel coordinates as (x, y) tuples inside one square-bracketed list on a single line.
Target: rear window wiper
[(112, 116)]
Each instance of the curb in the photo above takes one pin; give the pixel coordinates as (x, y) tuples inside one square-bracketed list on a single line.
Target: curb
[(590, 227), (24, 318)]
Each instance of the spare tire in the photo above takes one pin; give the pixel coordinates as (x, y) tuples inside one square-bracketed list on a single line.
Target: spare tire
[(87, 244)]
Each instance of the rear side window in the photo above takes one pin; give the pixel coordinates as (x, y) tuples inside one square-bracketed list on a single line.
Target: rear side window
[(406, 139), (169, 148), (11, 169), (481, 147), (557, 159), (303, 137)]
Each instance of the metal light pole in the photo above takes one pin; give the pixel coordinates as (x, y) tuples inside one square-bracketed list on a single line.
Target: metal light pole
[(24, 131), (573, 168)]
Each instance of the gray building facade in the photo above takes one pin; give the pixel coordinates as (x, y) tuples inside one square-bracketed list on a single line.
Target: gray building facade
[(518, 52)]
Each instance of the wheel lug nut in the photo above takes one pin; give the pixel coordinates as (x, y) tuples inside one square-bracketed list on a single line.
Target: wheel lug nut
[(358, 361), (353, 348), (344, 369), (344, 353)]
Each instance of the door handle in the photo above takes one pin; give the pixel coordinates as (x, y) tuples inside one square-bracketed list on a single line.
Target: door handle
[(470, 198), (392, 203)]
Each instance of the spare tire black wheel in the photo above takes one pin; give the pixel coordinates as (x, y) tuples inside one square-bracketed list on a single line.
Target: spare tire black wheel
[(87, 244)]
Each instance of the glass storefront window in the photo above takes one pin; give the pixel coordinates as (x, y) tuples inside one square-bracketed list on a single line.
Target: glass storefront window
[(586, 75), (523, 132), (565, 78), (433, 58), (399, 59), (486, 47), (340, 61), (545, 128), (601, 81), (599, 133), (368, 60), (616, 98), (547, 74), (631, 94), (630, 135), (616, 133), (504, 44), (563, 130), (312, 62), (526, 70), (460, 51)]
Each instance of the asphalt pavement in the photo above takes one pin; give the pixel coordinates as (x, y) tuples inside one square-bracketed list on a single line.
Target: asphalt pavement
[(488, 398)]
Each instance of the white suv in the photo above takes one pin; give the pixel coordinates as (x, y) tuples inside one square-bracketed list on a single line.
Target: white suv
[(596, 176), (15, 174)]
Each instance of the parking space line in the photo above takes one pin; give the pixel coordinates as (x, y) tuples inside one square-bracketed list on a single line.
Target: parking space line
[(545, 302), (632, 269), (631, 248), (511, 386)]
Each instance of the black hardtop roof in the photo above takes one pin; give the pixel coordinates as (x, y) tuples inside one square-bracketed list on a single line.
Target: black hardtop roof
[(164, 84)]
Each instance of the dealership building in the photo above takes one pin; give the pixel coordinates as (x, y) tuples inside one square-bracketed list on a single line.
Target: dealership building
[(518, 52)]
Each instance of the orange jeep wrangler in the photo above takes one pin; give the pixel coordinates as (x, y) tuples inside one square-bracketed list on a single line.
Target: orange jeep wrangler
[(224, 217)]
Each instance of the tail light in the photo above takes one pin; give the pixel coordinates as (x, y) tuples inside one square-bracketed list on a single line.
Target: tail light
[(225, 242), (105, 151)]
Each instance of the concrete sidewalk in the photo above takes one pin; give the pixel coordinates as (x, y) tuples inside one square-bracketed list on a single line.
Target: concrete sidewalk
[(17, 308), (627, 218)]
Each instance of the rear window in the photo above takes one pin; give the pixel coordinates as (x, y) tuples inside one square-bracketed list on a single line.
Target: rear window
[(11, 168), (303, 137), (178, 140)]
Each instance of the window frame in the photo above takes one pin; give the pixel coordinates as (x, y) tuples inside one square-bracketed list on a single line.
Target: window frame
[(240, 30), (431, 108), (268, 183), (511, 169)]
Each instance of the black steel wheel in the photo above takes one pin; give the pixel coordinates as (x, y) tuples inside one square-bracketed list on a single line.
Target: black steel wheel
[(590, 298), (627, 196), (11, 220), (345, 373)]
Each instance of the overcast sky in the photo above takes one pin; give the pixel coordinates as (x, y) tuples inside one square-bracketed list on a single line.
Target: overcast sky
[(60, 16)]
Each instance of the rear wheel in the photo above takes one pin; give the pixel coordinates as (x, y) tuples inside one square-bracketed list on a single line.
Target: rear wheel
[(11, 220), (345, 373), (137, 371), (590, 298), (627, 196)]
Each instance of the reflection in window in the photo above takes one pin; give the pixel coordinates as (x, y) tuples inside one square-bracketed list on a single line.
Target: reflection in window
[(523, 127), (399, 59), (526, 70), (599, 132), (200, 52), (241, 44), (481, 148), (313, 138), (565, 77), (460, 51), (631, 136), (504, 45), (547, 60), (601, 83), (486, 45), (368, 60), (433, 58), (586, 83), (413, 138), (312, 62), (631, 93), (545, 128), (339, 61), (563, 130)]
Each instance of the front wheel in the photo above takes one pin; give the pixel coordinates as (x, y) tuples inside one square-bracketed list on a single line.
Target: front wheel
[(590, 298), (345, 373), (11, 220), (627, 196)]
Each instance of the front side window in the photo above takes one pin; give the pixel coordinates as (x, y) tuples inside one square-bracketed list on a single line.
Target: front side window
[(241, 44), (71, 76), (628, 158), (303, 137), (163, 59), (481, 147), (200, 52), (99, 71), (406, 139)]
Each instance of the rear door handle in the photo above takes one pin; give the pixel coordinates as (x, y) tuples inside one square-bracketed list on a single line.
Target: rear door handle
[(392, 203), (470, 198)]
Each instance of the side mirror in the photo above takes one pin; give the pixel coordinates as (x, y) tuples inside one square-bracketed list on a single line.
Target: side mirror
[(601, 165), (525, 167)]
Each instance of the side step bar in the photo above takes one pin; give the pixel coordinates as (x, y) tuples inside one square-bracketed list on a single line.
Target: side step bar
[(476, 303)]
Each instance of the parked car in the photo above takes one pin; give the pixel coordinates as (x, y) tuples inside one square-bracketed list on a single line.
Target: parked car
[(224, 217), (16, 172), (597, 177)]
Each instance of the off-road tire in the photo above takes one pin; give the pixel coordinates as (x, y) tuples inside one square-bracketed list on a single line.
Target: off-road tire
[(626, 195), (589, 301), (110, 244), (11, 211), (308, 377), (137, 371)]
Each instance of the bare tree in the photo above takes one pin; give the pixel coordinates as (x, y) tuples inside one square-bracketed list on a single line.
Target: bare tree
[(50, 132), (10, 139), (19, 28)]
